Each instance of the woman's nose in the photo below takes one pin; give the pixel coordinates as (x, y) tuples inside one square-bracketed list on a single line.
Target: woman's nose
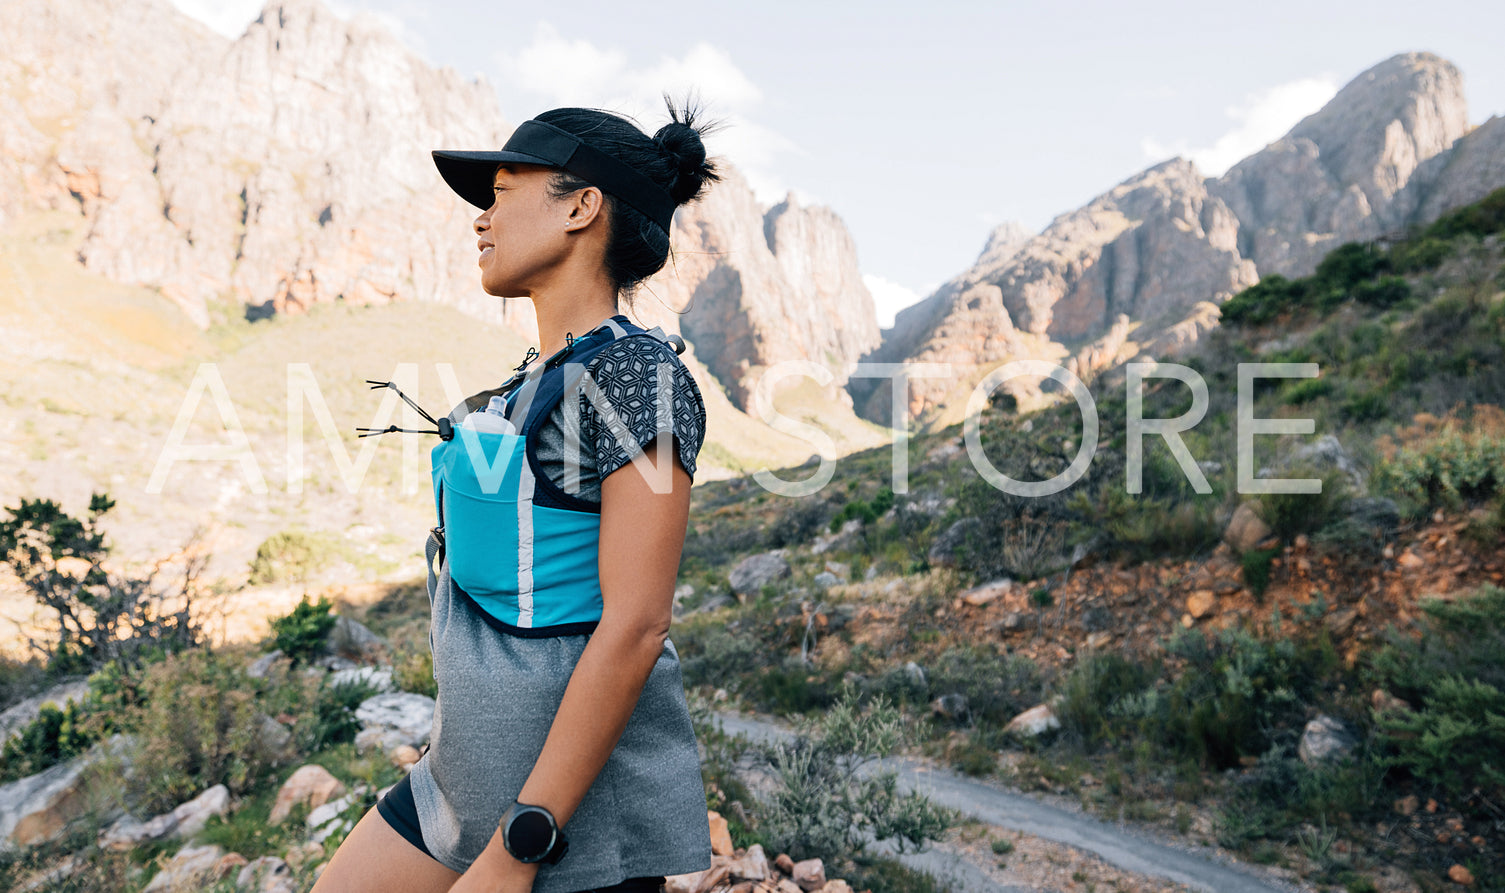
[(482, 223)]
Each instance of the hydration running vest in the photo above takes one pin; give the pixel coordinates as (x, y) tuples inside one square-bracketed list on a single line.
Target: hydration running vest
[(494, 502)]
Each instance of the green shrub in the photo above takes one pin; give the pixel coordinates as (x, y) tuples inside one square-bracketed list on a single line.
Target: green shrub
[(302, 633), (413, 671), (867, 512), (1290, 514), (1423, 253), (1484, 217), (198, 725), (1384, 292), (1306, 390), (1092, 689), (292, 555), (996, 686), (1454, 676), (55, 736), (822, 802), (1265, 300), (1452, 469)]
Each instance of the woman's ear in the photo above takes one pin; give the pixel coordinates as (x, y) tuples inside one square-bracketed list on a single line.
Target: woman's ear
[(585, 205)]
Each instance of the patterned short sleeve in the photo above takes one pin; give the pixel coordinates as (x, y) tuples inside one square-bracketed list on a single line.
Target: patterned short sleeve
[(642, 390)]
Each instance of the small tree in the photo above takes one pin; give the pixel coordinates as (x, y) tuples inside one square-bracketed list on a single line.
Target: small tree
[(101, 615), (830, 799)]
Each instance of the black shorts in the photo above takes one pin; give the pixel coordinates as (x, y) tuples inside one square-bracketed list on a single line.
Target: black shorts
[(401, 813)]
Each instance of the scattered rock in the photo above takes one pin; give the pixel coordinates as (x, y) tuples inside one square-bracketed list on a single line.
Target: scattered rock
[(276, 736), (307, 853), (987, 592), (1378, 514), (1012, 621), (311, 785), (1325, 454), (39, 807), (915, 674), (947, 547), (263, 665), (1246, 529), (788, 886), (783, 863), (1461, 876), (1384, 702), (23, 713), (186, 820), (951, 706), (1341, 621), (334, 663), (1407, 805), (826, 579), (404, 756), (394, 719), (1200, 603), (351, 638), (836, 886), (1325, 739), (1410, 560), (753, 865), (756, 571), (379, 678), (326, 820), (267, 874), (721, 836), (1035, 721), (193, 868), (840, 568), (810, 874)]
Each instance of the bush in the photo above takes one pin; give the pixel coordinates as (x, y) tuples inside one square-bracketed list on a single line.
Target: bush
[(996, 686), (1256, 564), (823, 804), (866, 512), (55, 736), (302, 633), (1454, 675), (101, 615), (1455, 467), (198, 725), (1384, 292), (290, 555), (1092, 689), (1290, 514)]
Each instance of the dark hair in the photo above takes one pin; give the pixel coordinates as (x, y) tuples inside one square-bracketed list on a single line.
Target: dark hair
[(674, 158)]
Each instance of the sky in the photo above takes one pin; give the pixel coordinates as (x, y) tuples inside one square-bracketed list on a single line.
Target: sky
[(926, 125)]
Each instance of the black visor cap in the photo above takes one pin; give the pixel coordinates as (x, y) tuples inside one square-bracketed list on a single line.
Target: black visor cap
[(471, 174)]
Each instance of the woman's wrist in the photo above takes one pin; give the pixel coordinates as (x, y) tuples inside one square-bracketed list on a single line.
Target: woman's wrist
[(498, 866)]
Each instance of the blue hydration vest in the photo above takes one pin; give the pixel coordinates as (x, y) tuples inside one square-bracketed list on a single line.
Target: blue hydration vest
[(494, 502)]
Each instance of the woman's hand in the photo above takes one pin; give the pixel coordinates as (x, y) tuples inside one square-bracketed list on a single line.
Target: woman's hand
[(496, 872)]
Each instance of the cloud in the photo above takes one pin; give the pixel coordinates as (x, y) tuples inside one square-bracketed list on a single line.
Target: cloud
[(228, 17), (1262, 118), (553, 71), (890, 297)]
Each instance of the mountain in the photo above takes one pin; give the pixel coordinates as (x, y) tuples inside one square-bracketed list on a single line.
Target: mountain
[(1141, 269), (290, 167)]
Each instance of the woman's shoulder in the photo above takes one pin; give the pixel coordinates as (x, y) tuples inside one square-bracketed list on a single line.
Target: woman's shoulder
[(630, 367)]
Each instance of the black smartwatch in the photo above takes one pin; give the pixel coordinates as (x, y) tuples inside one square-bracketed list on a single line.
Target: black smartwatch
[(530, 834)]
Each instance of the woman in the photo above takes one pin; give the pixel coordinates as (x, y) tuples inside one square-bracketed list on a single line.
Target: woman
[(562, 757)]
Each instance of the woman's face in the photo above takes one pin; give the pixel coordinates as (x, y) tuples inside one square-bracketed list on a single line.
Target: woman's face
[(522, 235)]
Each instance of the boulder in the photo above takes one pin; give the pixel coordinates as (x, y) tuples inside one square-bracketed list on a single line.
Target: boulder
[(379, 678), (836, 885), (267, 874), (826, 579), (756, 571), (23, 713), (351, 638), (394, 719), (309, 785), (193, 868), (1200, 603), (1461, 876), (915, 674), (276, 736), (1246, 529), (1035, 721), (1325, 454), (947, 547), (326, 819), (950, 706), (1325, 739), (39, 807), (721, 836), (982, 595), (263, 665), (810, 875), (186, 820)]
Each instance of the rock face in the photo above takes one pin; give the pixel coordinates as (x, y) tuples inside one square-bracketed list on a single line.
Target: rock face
[(291, 167), (1334, 178), (287, 167), (788, 289), (1141, 269)]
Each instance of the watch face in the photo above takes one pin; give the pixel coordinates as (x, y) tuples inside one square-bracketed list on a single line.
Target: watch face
[(530, 835)]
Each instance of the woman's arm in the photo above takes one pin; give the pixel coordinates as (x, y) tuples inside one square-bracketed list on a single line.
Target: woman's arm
[(642, 534)]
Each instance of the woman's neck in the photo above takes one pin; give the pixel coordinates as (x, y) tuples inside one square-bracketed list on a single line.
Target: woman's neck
[(558, 318)]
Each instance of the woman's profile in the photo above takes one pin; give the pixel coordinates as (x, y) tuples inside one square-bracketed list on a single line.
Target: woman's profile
[(562, 757)]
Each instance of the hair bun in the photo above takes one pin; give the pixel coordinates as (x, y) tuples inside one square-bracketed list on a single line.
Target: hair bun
[(680, 141)]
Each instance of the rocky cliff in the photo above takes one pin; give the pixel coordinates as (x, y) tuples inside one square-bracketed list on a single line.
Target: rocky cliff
[(291, 167), (1141, 268)]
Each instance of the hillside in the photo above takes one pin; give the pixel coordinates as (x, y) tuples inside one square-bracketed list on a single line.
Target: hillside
[(1183, 643)]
